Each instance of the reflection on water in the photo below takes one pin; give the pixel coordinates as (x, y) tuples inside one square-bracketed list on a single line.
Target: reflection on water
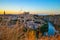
[(51, 29)]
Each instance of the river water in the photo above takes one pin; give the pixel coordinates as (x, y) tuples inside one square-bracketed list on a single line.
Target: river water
[(51, 29)]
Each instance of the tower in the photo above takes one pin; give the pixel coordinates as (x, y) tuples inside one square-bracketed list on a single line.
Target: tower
[(4, 12)]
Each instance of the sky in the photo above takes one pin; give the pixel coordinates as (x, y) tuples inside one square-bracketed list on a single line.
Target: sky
[(33, 6)]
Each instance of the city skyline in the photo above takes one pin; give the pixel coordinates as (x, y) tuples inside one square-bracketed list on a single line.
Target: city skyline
[(33, 6)]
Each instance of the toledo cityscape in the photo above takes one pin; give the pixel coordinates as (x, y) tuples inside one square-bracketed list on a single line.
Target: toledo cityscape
[(29, 19)]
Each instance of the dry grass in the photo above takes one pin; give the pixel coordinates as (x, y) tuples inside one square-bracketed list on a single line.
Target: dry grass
[(17, 33), (7, 33)]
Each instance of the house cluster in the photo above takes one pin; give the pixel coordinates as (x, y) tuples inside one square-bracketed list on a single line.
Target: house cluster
[(27, 19)]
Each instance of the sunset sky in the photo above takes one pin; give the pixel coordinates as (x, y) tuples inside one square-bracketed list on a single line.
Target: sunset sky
[(33, 6)]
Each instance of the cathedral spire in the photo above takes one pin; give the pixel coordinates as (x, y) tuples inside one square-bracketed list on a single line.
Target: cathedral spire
[(4, 12)]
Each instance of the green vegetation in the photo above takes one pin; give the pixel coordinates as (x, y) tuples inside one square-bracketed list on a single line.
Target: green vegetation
[(13, 21), (59, 26), (0, 19), (44, 28)]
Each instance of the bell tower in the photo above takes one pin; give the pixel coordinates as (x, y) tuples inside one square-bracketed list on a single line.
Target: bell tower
[(4, 12)]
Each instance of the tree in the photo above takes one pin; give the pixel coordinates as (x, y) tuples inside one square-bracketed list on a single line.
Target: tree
[(44, 28)]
